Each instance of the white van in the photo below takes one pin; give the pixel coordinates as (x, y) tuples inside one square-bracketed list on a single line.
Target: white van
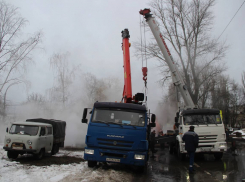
[(28, 137)]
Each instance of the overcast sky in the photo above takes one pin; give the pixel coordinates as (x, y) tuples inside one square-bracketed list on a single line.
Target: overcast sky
[(91, 31)]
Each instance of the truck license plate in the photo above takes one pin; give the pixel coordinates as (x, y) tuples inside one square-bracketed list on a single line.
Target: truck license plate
[(18, 148), (112, 160), (206, 149)]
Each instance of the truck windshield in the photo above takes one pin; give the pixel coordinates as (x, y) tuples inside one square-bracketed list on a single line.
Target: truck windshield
[(202, 119), (24, 129), (120, 117)]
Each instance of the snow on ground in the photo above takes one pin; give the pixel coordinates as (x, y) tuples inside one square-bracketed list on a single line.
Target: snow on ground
[(15, 171)]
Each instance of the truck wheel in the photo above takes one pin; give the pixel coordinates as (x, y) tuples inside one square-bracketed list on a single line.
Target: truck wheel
[(171, 149), (12, 155), (218, 156), (40, 155), (143, 169), (92, 163), (55, 150), (180, 155)]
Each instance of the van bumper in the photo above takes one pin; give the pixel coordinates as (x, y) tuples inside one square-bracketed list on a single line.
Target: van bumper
[(23, 150)]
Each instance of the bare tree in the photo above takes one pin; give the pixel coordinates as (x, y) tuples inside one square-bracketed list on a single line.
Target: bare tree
[(37, 98), (107, 89), (95, 88), (15, 53), (186, 25), (18, 81), (219, 96), (243, 80), (64, 75)]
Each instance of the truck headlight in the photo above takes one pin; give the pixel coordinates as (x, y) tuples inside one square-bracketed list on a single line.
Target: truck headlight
[(8, 140), (89, 151), (29, 142), (222, 145), (139, 157)]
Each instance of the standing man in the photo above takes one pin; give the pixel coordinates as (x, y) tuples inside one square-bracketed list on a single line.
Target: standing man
[(191, 143)]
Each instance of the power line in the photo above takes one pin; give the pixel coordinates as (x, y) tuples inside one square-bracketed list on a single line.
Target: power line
[(231, 20)]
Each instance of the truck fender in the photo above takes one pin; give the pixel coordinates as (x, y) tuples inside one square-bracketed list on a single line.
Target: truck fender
[(179, 141), (179, 138)]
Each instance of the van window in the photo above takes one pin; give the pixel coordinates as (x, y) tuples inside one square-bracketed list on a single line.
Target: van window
[(43, 132), (24, 129), (49, 130)]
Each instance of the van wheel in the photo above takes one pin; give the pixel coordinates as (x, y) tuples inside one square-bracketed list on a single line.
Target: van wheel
[(40, 155), (92, 163), (12, 155)]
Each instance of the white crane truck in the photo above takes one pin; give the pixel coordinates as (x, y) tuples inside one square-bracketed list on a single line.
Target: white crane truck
[(208, 122)]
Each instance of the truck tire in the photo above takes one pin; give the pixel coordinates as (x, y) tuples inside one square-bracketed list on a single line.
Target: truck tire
[(40, 155), (180, 155), (143, 169), (171, 148), (12, 155), (55, 150), (218, 155), (92, 163)]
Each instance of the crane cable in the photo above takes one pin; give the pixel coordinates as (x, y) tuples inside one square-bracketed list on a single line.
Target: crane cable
[(144, 69)]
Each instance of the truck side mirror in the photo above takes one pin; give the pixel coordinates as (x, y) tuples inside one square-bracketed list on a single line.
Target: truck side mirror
[(153, 118), (84, 120), (7, 129), (177, 114), (176, 120), (177, 125)]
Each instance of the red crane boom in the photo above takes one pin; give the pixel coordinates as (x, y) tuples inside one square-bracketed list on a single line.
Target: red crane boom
[(127, 91)]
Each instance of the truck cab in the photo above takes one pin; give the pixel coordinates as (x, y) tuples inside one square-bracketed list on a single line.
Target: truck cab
[(209, 127), (28, 137), (117, 133)]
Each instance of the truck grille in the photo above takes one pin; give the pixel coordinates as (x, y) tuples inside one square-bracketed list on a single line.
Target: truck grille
[(114, 143), (207, 138)]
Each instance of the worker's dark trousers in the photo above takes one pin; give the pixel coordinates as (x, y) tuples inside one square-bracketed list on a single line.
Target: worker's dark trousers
[(191, 155)]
